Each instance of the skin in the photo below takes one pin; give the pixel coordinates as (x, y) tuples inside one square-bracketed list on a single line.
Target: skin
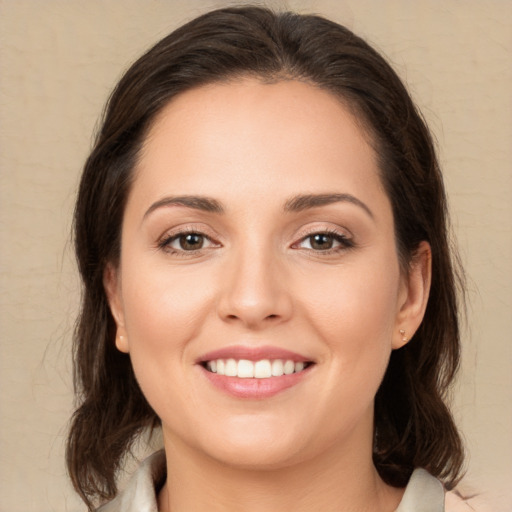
[(258, 280)]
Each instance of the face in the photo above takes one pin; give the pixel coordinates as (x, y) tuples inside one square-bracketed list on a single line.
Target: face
[(259, 293)]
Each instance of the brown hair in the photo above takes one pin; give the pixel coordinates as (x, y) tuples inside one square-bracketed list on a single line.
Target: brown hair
[(413, 426)]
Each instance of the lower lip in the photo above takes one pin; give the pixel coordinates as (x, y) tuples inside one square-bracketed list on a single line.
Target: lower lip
[(257, 389)]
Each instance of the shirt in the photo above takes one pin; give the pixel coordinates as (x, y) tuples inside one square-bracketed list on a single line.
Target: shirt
[(424, 493)]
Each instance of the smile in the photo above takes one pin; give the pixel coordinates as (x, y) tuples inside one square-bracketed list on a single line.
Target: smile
[(246, 372), (262, 369)]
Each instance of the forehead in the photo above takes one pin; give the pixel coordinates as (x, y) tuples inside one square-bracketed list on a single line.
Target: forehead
[(248, 104), (256, 136)]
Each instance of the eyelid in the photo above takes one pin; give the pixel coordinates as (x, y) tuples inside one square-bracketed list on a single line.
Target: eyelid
[(317, 228), (342, 236), (174, 233)]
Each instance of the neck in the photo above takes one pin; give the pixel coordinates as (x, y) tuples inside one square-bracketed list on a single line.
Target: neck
[(339, 480)]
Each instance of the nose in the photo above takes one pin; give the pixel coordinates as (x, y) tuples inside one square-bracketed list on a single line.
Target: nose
[(255, 291)]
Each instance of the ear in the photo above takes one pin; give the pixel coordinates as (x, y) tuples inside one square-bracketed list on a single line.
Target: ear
[(112, 285), (414, 295)]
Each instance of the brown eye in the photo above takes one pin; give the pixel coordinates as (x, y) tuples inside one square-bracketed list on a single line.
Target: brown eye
[(325, 242), (186, 242), (321, 241), (191, 241)]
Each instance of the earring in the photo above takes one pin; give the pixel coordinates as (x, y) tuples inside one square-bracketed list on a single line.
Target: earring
[(405, 339)]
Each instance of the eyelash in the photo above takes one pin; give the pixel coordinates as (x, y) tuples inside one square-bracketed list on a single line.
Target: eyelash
[(165, 243), (344, 242)]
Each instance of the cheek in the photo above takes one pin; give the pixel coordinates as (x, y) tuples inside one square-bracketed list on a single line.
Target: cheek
[(164, 311), (354, 313), (356, 299)]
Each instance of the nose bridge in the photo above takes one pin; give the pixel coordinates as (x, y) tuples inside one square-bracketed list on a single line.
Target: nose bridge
[(255, 291)]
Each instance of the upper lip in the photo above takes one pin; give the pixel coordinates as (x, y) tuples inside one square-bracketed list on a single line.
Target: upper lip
[(253, 354)]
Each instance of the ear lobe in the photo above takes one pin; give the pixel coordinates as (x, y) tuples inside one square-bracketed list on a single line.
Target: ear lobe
[(112, 286), (122, 342), (413, 302)]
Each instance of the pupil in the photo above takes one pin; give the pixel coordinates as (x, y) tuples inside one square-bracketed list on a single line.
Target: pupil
[(321, 242), (191, 241)]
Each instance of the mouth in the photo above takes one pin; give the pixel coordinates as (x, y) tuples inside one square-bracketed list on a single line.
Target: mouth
[(260, 369), (254, 372)]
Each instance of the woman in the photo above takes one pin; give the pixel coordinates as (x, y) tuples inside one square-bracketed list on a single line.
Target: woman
[(261, 233)]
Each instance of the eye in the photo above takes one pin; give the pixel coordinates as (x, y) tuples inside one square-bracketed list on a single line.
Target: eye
[(324, 242), (186, 242), (190, 241)]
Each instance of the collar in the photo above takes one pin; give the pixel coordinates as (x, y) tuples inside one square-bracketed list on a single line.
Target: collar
[(423, 493)]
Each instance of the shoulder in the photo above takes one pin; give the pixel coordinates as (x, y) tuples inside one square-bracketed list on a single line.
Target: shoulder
[(140, 494), (468, 496)]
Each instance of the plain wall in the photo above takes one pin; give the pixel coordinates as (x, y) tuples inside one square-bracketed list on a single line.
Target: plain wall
[(58, 62)]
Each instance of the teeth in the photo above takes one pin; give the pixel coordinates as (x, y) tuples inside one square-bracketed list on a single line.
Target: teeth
[(231, 368), (277, 368), (263, 369), (299, 367), (289, 367), (245, 369)]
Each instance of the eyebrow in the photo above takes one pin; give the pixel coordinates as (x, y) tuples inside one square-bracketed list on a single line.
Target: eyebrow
[(307, 201), (295, 204), (205, 204)]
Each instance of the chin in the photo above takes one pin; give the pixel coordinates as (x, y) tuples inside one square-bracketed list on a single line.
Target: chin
[(256, 447), (252, 456)]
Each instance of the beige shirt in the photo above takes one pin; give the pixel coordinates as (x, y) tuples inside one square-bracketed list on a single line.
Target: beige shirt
[(423, 493)]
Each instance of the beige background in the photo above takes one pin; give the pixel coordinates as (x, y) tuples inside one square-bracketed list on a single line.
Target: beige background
[(58, 62)]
